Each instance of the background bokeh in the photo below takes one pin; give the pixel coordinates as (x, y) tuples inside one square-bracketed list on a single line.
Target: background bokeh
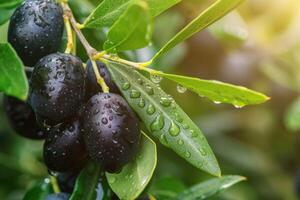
[(257, 46)]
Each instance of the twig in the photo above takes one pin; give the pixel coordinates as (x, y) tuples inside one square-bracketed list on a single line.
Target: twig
[(29, 69), (70, 44), (89, 49)]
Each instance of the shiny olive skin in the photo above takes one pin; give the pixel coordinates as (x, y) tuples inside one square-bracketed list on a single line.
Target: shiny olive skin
[(64, 148), (111, 131), (91, 83), (57, 88), (22, 118), (58, 196), (36, 29)]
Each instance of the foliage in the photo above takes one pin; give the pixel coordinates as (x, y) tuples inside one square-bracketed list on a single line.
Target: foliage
[(129, 25)]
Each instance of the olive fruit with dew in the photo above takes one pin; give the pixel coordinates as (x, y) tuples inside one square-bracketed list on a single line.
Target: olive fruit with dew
[(111, 131), (36, 29), (64, 148), (91, 82), (57, 88), (58, 196), (22, 118)]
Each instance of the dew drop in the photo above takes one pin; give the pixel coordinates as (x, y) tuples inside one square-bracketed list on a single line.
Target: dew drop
[(112, 180), (174, 129), (155, 78), (180, 142), (217, 102), (140, 81), (165, 101), (193, 133), (202, 151), (185, 126), (238, 106), (126, 86), (104, 120), (158, 123), (163, 140), (181, 89), (149, 90), (142, 103), (178, 118), (151, 109), (135, 94), (187, 154)]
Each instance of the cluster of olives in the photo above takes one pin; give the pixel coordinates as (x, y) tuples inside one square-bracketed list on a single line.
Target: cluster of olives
[(66, 106)]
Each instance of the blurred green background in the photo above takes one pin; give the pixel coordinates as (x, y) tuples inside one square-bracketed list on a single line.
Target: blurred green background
[(257, 46)]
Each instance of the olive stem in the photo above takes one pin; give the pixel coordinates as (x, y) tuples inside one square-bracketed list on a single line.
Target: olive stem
[(89, 49), (138, 66), (99, 79), (70, 44), (29, 69), (54, 184)]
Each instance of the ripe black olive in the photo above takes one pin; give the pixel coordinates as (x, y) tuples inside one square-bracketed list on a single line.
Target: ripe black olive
[(57, 88), (111, 131), (36, 29), (22, 118), (91, 83), (64, 148), (58, 196)]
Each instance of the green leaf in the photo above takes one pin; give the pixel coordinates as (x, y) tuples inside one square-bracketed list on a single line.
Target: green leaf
[(10, 3), (164, 118), (13, 79), (39, 191), (209, 188), (135, 176), (5, 14), (110, 10), (86, 183), (209, 16), (217, 91), (158, 6), (166, 188), (292, 117), (131, 31)]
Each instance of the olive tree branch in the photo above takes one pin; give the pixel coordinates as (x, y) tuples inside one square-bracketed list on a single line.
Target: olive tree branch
[(89, 49), (94, 55)]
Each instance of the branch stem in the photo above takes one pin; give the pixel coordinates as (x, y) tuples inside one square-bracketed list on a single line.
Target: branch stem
[(70, 44), (89, 49)]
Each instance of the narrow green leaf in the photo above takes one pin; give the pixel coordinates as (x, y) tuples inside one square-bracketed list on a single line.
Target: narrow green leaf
[(135, 176), (217, 91), (209, 16), (158, 6), (39, 191), (292, 117), (209, 188), (13, 79), (86, 183), (110, 10), (164, 118), (106, 13), (10, 3), (131, 31), (166, 188)]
